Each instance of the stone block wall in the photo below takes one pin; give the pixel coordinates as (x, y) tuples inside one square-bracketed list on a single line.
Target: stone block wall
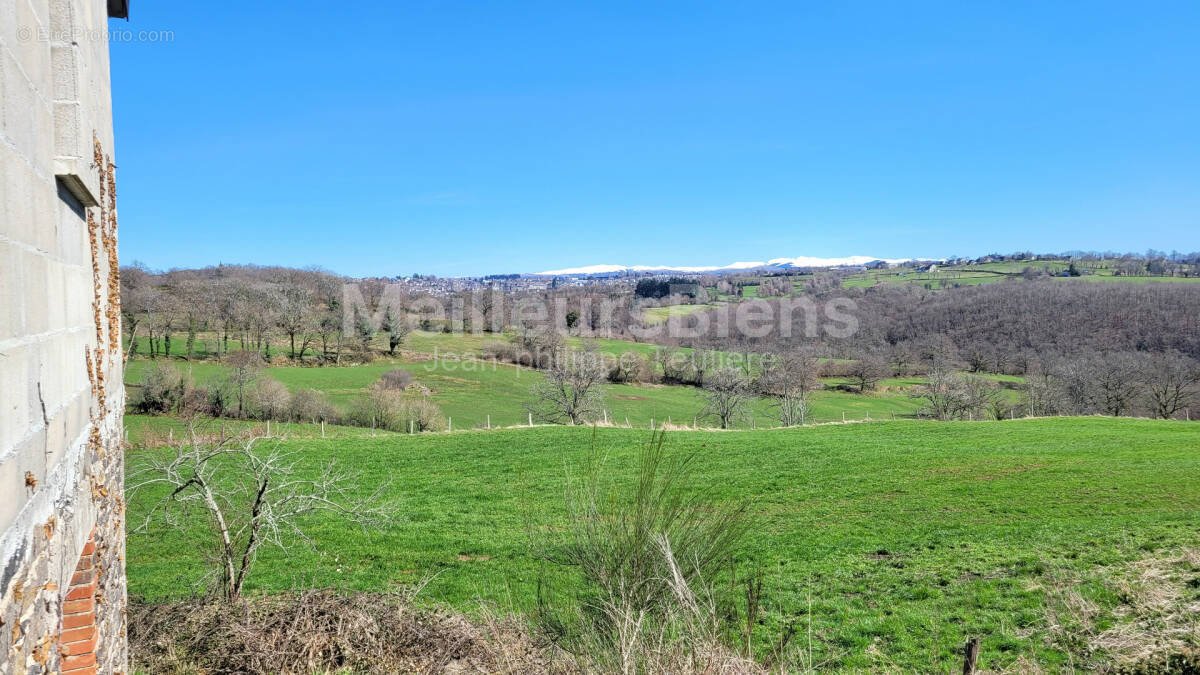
[(61, 397)]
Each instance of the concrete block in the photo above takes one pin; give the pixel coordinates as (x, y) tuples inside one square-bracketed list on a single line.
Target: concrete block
[(34, 266), (66, 71), (41, 10), (12, 298), (21, 108), (14, 408), (19, 182), (31, 49)]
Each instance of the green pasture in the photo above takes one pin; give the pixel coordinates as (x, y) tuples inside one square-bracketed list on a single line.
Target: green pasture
[(884, 545)]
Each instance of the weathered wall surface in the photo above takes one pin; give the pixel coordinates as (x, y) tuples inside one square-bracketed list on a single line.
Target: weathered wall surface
[(61, 483)]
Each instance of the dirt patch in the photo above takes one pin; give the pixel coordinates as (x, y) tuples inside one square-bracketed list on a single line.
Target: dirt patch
[(1010, 471), (629, 398)]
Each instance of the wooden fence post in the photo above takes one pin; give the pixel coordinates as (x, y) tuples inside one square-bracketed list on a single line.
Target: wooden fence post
[(971, 656)]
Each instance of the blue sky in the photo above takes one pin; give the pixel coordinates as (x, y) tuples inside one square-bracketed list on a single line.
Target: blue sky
[(457, 138)]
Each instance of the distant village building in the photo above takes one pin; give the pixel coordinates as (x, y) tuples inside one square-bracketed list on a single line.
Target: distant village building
[(62, 529)]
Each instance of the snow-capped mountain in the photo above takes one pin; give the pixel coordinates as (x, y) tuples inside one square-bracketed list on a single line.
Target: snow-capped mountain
[(778, 263)]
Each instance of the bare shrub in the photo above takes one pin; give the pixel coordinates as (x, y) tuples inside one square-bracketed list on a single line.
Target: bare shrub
[(269, 399), (538, 346), (425, 415), (679, 367), (161, 390), (393, 410), (196, 401), (380, 408), (395, 379), (310, 405), (250, 495), (501, 351)]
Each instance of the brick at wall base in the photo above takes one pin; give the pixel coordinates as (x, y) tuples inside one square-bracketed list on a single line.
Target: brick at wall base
[(78, 638)]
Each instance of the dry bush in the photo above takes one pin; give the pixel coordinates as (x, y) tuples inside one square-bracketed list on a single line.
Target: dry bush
[(501, 351), (395, 379), (631, 367), (381, 408), (830, 368), (269, 399), (310, 405), (319, 631), (425, 415), (161, 390), (393, 410)]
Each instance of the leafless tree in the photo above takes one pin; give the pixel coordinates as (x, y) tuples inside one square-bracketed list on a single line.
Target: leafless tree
[(1116, 379), (1171, 383), (296, 318), (1041, 393), (949, 396), (243, 372), (789, 377), (866, 373), (726, 393), (251, 496), (572, 389)]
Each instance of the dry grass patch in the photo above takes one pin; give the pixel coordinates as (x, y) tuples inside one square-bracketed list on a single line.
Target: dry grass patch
[(1156, 619)]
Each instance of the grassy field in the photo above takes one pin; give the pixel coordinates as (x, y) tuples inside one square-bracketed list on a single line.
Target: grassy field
[(889, 543), (470, 391), (474, 392), (661, 314), (973, 275)]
